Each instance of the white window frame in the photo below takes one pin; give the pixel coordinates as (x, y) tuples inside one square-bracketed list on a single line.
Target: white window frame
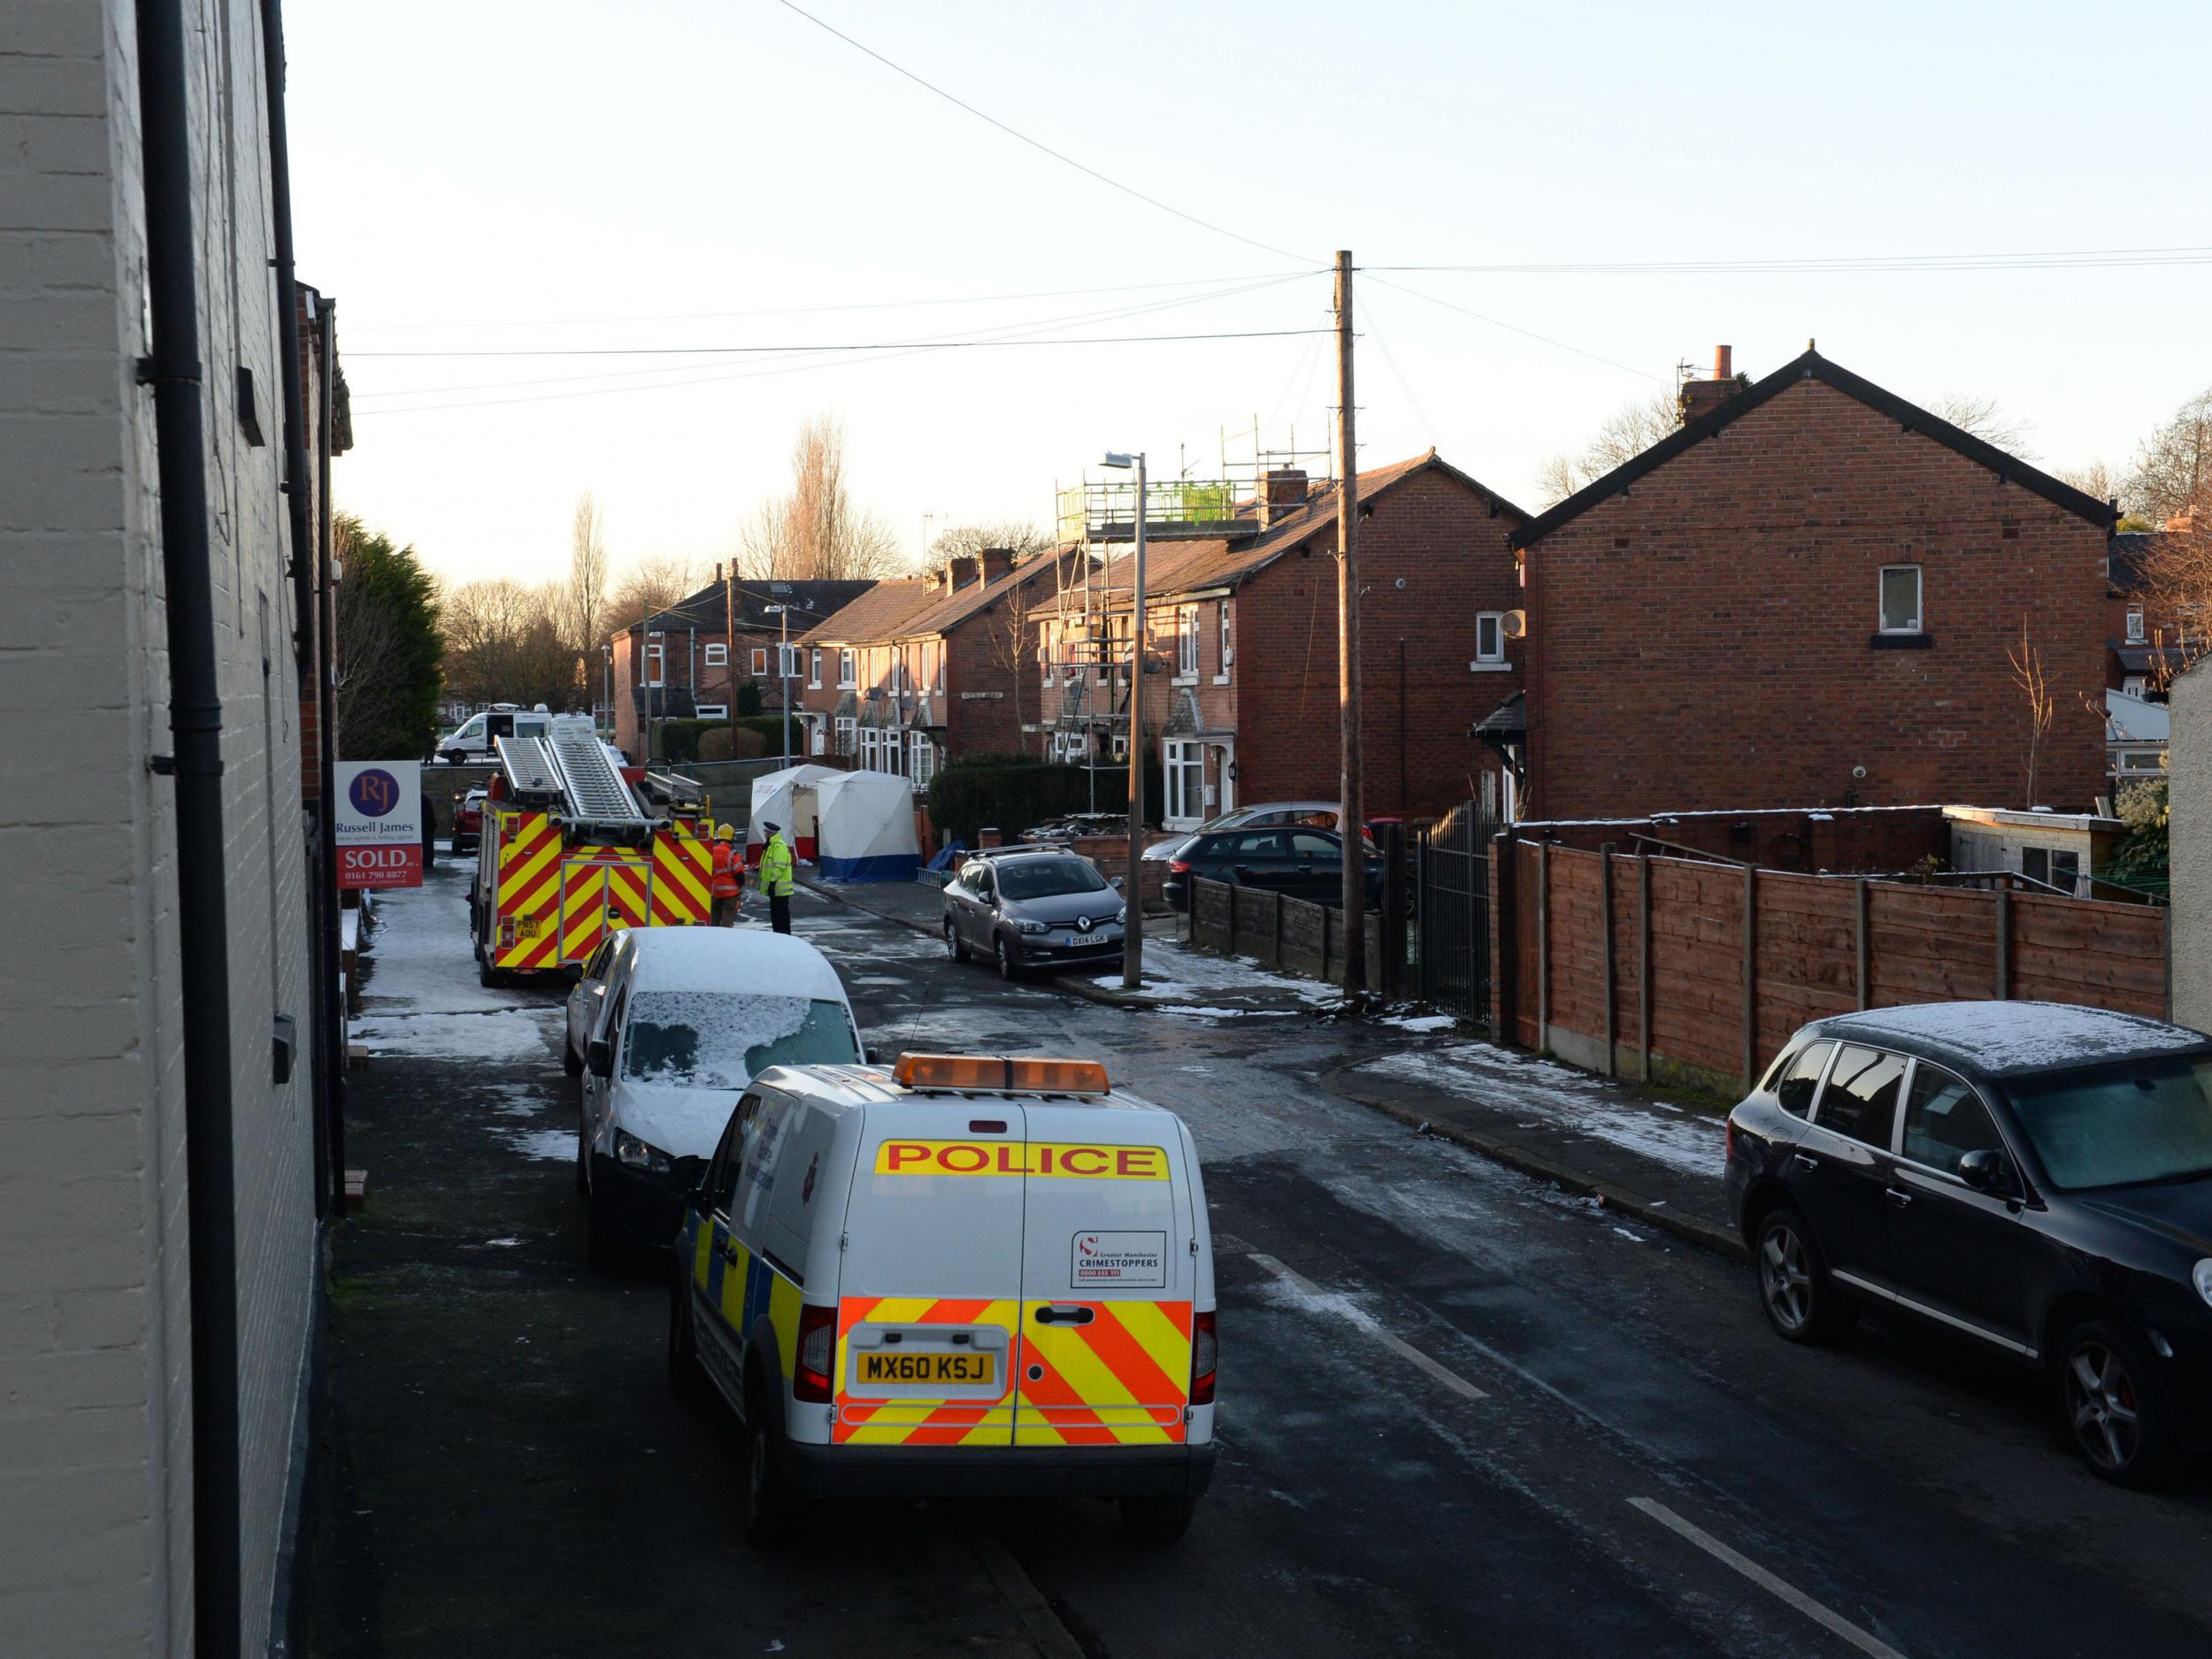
[(1494, 656), (717, 654), (711, 710), (1183, 773), (1187, 645), (2136, 632), (814, 671), (1228, 648), (922, 761), (817, 734), (760, 661), (1920, 601), (787, 661), (848, 734), (847, 668), (656, 663)]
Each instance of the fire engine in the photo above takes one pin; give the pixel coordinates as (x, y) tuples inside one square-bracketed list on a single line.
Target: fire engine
[(574, 844)]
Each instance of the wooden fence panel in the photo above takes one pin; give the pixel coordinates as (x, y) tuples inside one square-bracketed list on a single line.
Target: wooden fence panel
[(1625, 965), (1807, 955), (1697, 963), (1578, 941), (1254, 911), (1303, 939), (2107, 956), (1929, 944), (1526, 939)]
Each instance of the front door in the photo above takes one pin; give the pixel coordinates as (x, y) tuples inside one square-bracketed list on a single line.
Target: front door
[(932, 1282), (1108, 1277)]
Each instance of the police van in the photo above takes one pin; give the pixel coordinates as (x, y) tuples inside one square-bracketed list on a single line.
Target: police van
[(966, 1275)]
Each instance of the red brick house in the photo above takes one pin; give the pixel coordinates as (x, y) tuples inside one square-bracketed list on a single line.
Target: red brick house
[(915, 672), (2145, 645), (1806, 597), (687, 661), (1241, 688)]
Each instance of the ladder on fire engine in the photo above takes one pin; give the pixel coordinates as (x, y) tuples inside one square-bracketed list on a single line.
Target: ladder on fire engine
[(596, 790)]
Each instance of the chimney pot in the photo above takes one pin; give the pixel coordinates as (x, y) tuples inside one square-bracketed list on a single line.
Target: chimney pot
[(1281, 489), (1724, 363), (997, 562), (959, 571)]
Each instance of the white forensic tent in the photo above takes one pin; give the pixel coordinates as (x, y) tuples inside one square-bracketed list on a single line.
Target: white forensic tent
[(788, 798), (865, 827)]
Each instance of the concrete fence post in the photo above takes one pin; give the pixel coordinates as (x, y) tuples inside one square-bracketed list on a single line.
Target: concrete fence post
[(1543, 946), (1502, 876), (1605, 919), (1750, 974), (1643, 963), (1858, 912), (2004, 940)]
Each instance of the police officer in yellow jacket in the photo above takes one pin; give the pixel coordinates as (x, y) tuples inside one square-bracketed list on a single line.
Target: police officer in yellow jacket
[(776, 877)]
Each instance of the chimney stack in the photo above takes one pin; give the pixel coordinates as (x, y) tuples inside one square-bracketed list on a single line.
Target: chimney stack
[(959, 571), (1701, 397), (1281, 490), (997, 562)]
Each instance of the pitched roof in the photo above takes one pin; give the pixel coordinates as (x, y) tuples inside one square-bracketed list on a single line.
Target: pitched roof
[(711, 608), (916, 605), (1812, 366), (2127, 558), (1172, 567)]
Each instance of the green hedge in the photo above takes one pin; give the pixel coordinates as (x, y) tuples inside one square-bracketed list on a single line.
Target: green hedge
[(770, 729), (1013, 793)]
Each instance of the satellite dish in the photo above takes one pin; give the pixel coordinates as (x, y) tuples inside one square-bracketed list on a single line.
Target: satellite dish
[(1515, 625)]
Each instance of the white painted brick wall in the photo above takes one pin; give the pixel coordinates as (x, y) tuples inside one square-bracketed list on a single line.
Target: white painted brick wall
[(94, 1395)]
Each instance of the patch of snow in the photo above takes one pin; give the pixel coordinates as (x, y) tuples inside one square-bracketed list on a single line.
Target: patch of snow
[(1190, 1011), (1561, 1098), (501, 1244), (556, 1146), (1420, 1022), (508, 1034), (2021, 1036)]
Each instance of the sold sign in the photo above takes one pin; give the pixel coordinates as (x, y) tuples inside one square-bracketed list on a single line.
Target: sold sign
[(1036, 1157)]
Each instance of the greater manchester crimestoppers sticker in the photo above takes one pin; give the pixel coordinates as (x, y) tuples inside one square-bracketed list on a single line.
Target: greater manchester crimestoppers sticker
[(1136, 1260)]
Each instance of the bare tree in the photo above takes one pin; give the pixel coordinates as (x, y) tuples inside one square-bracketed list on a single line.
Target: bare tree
[(586, 596), (2091, 478), (815, 533), (2172, 475), (1983, 416), (2042, 705), (649, 584), (964, 540), (505, 642), (1627, 432)]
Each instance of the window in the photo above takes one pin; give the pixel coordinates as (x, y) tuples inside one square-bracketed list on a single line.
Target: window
[(788, 661), (1800, 1077), (848, 670), (1489, 636), (1187, 642), (923, 766), (1306, 843), (719, 1040), (760, 661), (1046, 636), (1228, 651), (2142, 760), (1185, 773), (1944, 1121), (717, 656), (818, 730), (1861, 1099), (2060, 870), (847, 726), (2132, 685), (656, 664), (871, 739), (1121, 748), (1901, 598), (2121, 1123), (814, 670), (2135, 624), (711, 710)]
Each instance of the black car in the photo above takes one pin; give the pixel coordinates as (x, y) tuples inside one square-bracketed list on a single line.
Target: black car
[(2035, 1176), (1297, 860), (1032, 908)]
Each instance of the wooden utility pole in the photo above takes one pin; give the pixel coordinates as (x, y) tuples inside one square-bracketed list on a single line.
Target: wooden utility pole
[(1351, 826)]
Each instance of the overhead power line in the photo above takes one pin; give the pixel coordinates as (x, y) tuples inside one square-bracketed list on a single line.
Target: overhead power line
[(1513, 328), (1065, 160), (873, 345), (2063, 259)]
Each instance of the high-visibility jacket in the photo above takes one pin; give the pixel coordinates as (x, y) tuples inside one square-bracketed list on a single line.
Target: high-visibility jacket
[(775, 867), (726, 879)]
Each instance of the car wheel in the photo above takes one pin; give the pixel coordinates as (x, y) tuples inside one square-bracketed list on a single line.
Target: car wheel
[(571, 1062), (458, 848), (684, 1379), (486, 975), (2114, 1408), (770, 1509), (1801, 1301), (956, 946), (1156, 1520), (1009, 969)]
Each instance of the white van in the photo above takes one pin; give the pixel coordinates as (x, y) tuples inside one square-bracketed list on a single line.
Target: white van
[(472, 740), (684, 1018), (965, 1275)]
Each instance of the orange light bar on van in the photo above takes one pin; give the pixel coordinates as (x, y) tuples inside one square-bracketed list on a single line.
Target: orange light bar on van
[(1000, 1074)]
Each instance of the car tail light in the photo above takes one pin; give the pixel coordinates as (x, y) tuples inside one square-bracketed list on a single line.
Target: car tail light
[(818, 1355), (1205, 1357), (1178, 866)]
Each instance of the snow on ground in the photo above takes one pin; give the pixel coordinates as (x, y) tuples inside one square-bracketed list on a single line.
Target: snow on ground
[(1192, 1012), (420, 997), (1541, 1091), (1175, 971), (556, 1144), (1420, 1022)]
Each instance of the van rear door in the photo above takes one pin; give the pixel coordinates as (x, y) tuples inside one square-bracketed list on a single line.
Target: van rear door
[(1109, 1280), (929, 1296)]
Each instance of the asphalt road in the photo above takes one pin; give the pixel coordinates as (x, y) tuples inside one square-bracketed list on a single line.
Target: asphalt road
[(1459, 1412)]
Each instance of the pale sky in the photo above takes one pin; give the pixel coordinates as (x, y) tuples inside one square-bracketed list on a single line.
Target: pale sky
[(491, 175)]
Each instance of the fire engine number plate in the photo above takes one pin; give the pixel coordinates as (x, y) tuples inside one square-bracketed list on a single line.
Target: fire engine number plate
[(964, 1370), (533, 926)]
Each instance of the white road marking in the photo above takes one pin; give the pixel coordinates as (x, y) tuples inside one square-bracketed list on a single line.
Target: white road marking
[(1404, 1350), (1863, 1640)]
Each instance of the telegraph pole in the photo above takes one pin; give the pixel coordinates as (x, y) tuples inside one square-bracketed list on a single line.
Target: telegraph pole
[(1348, 679), (1132, 883)]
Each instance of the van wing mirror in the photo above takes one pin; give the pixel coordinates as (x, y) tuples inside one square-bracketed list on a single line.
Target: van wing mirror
[(1114, 882), (686, 1174), (599, 1057)]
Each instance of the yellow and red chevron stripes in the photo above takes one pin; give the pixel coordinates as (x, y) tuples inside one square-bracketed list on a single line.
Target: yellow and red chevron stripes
[(556, 900), (682, 869), (527, 931), (1122, 1379)]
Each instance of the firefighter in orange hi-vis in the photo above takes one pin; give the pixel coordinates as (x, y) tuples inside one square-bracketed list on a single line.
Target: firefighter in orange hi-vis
[(728, 880)]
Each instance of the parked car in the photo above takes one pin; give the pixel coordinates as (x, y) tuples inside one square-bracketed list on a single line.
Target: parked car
[(2033, 1176), (1296, 861), (686, 1018), (468, 820), (472, 740), (1261, 815), (1032, 908)]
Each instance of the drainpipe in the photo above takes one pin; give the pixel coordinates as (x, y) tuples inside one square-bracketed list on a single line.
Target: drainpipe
[(196, 722), (327, 746)]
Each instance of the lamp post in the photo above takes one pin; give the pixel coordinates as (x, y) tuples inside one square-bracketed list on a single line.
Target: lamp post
[(1132, 885), (782, 613)]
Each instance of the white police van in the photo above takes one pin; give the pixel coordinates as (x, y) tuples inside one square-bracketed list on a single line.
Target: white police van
[(962, 1275)]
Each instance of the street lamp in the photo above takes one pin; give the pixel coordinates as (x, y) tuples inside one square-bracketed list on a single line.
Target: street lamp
[(783, 664), (1133, 894)]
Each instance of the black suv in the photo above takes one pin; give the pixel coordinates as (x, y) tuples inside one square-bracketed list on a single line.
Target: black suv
[(1295, 859), (2036, 1176)]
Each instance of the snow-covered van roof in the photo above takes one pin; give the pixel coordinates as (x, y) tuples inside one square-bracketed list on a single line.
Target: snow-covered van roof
[(730, 959), (2000, 1039)]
